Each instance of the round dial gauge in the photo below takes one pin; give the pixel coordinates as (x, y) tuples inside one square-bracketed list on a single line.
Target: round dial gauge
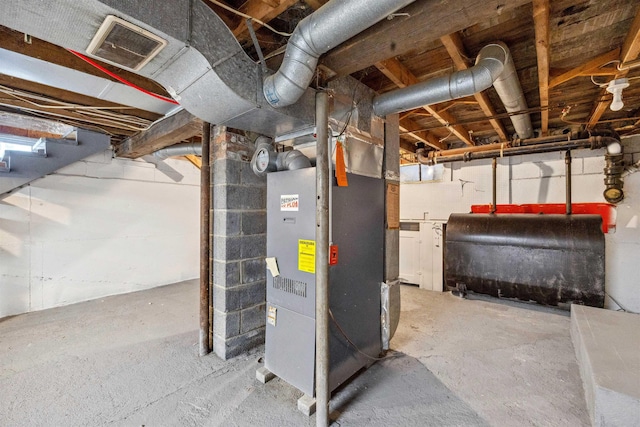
[(262, 159)]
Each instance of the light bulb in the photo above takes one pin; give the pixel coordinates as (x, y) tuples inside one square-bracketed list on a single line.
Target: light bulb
[(615, 87), (617, 104)]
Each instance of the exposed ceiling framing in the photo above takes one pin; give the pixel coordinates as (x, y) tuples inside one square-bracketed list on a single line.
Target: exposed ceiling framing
[(564, 52)]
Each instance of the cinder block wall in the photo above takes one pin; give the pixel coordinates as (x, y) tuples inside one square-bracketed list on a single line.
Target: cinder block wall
[(239, 246)]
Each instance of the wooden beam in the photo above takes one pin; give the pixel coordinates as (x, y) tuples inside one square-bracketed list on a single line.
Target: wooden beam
[(315, 4), (403, 77), (195, 160), (604, 71), (453, 43), (541, 27), (590, 65), (631, 45), (258, 9), (630, 51), (427, 21), (182, 125), (412, 129), (446, 118)]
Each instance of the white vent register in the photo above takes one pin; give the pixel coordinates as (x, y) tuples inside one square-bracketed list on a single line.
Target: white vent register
[(125, 44)]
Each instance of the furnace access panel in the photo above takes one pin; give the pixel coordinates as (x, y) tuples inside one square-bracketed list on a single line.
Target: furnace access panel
[(357, 219)]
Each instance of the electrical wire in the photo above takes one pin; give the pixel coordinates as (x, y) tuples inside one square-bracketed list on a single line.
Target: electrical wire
[(18, 94), (121, 79), (90, 114), (244, 15), (344, 334)]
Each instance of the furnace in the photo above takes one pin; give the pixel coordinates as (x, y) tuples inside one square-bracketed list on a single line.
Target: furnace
[(355, 276)]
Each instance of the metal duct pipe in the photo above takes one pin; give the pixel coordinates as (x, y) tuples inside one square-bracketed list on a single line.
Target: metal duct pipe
[(494, 66), (202, 65), (508, 87), (531, 147), (183, 149), (334, 23), (292, 160)]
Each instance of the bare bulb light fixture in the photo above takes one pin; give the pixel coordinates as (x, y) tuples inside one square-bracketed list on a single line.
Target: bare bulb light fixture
[(615, 87)]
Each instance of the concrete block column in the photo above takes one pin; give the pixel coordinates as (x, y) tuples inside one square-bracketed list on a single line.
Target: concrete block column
[(239, 246)]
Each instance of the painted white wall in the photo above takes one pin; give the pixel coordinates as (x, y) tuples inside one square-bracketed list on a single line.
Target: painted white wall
[(98, 227), (541, 179)]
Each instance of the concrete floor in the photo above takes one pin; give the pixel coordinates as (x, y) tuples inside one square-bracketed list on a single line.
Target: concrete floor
[(132, 360)]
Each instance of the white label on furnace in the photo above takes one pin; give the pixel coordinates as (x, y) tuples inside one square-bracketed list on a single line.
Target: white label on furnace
[(289, 202)]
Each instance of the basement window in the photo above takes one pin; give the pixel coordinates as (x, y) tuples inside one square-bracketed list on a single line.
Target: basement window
[(125, 44), (421, 173), (16, 143)]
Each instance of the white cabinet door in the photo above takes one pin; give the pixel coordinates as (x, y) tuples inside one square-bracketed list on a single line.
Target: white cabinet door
[(421, 255), (410, 257)]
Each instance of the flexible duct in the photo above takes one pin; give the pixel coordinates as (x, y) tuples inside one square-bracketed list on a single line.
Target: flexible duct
[(184, 149), (332, 24), (494, 66)]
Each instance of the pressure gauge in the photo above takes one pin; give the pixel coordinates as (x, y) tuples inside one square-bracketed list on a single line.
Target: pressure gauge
[(264, 159)]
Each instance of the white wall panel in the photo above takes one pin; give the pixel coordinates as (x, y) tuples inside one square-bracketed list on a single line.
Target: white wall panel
[(71, 237)]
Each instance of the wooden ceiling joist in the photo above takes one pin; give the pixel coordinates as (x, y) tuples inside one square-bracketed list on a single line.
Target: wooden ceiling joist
[(415, 131), (588, 68), (195, 160), (262, 10), (315, 4), (630, 51), (403, 77), (398, 36), (541, 27), (182, 125), (453, 43)]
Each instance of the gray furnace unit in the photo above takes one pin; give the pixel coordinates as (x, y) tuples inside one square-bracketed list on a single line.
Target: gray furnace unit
[(357, 230)]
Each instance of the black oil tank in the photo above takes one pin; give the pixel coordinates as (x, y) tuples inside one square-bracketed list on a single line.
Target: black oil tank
[(550, 259)]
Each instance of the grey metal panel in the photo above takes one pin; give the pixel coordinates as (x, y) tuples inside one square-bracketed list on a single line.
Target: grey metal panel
[(290, 349), (284, 229), (363, 157), (551, 259), (358, 231)]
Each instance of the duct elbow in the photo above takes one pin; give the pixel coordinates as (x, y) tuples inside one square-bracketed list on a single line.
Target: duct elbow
[(317, 34), (489, 65), (289, 83), (292, 160)]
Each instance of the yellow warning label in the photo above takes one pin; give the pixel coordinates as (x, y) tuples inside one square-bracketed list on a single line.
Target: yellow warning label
[(307, 256)]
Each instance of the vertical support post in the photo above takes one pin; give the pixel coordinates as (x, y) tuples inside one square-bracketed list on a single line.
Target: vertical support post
[(205, 205), (567, 162), (494, 191), (322, 261)]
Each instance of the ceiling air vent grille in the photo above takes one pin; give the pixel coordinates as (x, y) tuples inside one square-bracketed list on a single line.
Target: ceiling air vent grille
[(124, 44)]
